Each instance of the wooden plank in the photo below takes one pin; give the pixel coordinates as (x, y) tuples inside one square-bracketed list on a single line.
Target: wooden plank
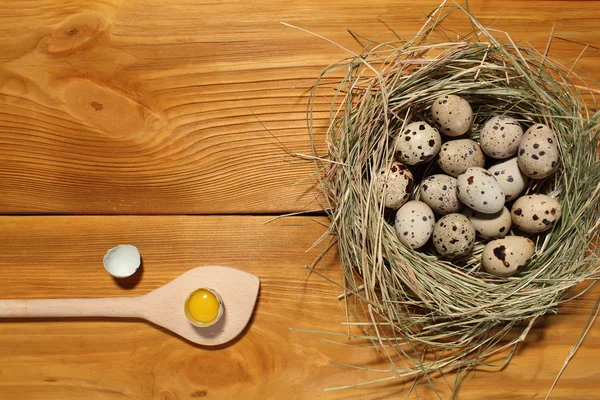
[(171, 107), (50, 257)]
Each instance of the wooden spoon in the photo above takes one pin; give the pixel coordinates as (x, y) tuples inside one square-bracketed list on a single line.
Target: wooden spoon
[(163, 306)]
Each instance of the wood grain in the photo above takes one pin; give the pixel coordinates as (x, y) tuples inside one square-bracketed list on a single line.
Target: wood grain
[(51, 257), (184, 107)]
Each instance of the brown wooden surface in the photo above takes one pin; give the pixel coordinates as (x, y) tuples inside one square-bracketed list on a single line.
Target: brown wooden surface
[(119, 108), (61, 257), (148, 107), (110, 360)]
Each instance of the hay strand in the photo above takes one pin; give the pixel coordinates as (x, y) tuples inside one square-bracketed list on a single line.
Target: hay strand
[(429, 315)]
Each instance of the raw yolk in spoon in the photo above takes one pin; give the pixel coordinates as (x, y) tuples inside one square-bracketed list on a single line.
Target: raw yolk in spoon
[(203, 306)]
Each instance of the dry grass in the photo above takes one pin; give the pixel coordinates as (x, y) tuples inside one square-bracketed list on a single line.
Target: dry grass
[(437, 315)]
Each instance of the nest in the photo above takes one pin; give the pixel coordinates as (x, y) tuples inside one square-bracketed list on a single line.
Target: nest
[(435, 314)]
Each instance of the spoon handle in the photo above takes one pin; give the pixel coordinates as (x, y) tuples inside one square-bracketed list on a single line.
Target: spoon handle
[(53, 308)]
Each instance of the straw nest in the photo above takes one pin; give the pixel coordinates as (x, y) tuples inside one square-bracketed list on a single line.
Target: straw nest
[(434, 314)]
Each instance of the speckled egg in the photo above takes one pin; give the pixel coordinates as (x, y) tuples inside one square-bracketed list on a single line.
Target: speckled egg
[(538, 153), (419, 142), (439, 193), (489, 226), (395, 185), (507, 256), (478, 189), (510, 177), (452, 114), (453, 235), (535, 213), (500, 137), (414, 223), (456, 156)]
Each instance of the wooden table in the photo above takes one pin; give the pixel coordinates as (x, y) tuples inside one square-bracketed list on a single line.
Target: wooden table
[(162, 124)]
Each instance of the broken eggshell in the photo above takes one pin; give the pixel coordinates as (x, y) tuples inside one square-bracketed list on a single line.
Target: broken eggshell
[(122, 261)]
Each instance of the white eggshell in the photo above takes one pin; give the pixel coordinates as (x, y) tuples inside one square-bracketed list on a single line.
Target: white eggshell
[(419, 142), (490, 226), (510, 177), (122, 261), (453, 235), (538, 152), (439, 193), (500, 137), (452, 114), (456, 156), (478, 189), (535, 213), (507, 256), (414, 223), (395, 185)]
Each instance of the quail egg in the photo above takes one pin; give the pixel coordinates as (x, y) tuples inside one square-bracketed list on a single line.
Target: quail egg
[(456, 156), (395, 185), (510, 177), (535, 213), (419, 142), (453, 235), (452, 114), (414, 223), (507, 256), (478, 189), (490, 226), (500, 137), (538, 154), (439, 192)]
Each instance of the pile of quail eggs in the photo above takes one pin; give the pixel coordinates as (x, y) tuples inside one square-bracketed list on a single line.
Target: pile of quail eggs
[(468, 200)]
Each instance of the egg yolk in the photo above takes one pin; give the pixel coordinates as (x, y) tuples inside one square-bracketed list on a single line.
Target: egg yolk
[(204, 306)]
